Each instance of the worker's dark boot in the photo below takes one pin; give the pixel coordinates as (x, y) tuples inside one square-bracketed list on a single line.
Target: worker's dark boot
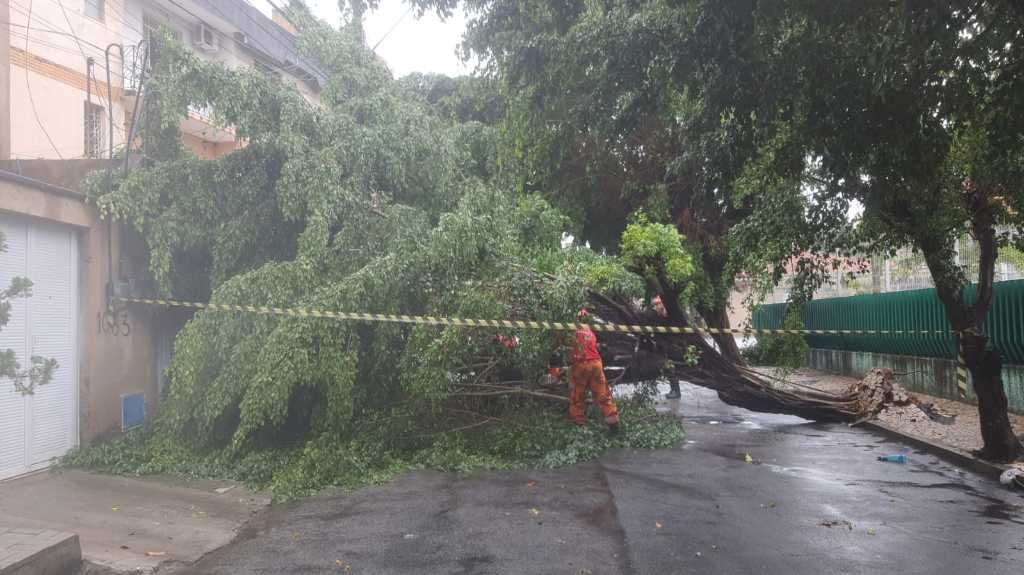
[(674, 393), (613, 429)]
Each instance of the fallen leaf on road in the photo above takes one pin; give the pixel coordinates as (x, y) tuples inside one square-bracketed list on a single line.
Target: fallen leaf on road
[(115, 508), (531, 483), (748, 458), (125, 547), (657, 525), (698, 554), (155, 553), (534, 511), (871, 531), (223, 490)]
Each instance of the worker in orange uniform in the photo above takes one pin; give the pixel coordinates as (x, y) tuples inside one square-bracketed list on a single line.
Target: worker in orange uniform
[(587, 372)]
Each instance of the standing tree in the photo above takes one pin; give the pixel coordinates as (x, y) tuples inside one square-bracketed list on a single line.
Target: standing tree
[(915, 111), (41, 372)]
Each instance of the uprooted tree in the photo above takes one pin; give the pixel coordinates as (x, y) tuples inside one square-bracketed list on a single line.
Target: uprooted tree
[(374, 202)]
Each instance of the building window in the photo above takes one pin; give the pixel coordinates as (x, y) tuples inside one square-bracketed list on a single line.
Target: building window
[(266, 69), (94, 140), (95, 8)]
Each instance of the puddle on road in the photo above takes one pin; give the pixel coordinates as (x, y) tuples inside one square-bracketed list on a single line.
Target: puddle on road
[(713, 419)]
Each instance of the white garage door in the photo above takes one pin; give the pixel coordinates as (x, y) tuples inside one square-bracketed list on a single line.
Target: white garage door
[(37, 427)]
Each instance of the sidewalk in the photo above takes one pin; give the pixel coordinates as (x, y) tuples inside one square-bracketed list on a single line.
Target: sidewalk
[(964, 434), (129, 524)]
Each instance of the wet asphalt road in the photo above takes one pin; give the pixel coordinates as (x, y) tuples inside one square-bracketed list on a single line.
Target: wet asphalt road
[(814, 501)]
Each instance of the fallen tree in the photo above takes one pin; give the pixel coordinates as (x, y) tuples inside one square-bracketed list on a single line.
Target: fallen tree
[(371, 204), (644, 359)]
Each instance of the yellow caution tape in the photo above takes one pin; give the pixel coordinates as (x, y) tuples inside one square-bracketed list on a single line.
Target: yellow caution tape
[(505, 323), (961, 373)]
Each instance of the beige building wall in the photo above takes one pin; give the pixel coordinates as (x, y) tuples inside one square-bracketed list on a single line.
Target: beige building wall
[(49, 79), (111, 363), (5, 81)]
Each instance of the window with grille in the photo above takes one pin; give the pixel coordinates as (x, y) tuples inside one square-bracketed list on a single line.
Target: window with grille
[(266, 69), (94, 134), (94, 8)]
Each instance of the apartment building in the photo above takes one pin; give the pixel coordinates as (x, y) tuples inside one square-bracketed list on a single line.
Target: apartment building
[(67, 93), (75, 65)]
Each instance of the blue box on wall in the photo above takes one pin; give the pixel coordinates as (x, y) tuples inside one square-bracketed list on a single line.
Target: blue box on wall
[(133, 410)]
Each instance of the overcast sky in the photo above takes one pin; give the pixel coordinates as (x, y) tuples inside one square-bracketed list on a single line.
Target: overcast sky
[(414, 45)]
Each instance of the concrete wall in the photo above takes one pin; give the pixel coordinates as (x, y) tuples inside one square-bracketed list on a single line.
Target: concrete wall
[(925, 375), (116, 350)]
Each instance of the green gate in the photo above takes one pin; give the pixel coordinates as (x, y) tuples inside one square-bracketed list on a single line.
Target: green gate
[(906, 310)]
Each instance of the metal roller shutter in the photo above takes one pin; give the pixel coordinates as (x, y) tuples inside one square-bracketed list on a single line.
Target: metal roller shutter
[(38, 427)]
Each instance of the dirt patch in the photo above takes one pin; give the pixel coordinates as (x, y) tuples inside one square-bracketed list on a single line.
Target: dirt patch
[(963, 434)]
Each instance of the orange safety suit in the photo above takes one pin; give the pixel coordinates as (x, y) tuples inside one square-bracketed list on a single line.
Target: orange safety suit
[(587, 372)]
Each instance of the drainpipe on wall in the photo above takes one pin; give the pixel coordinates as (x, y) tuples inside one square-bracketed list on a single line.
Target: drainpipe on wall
[(5, 80)]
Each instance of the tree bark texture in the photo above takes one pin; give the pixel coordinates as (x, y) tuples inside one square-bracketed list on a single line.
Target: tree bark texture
[(718, 317), (986, 367)]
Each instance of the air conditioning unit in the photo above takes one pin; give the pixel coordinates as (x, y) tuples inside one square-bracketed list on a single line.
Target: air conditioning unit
[(205, 38)]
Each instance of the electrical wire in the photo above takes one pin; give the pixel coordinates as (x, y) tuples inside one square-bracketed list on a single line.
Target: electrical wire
[(393, 26), (71, 29), (124, 19), (66, 50), (57, 32), (78, 42), (258, 43), (110, 107), (56, 29), (35, 152), (117, 17), (31, 99)]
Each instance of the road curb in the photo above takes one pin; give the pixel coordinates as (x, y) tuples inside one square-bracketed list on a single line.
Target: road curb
[(961, 458)]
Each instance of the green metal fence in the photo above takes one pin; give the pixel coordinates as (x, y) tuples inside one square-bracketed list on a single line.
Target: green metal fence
[(906, 310)]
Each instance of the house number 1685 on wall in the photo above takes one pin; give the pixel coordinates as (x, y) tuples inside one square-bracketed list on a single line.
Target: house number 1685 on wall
[(113, 323)]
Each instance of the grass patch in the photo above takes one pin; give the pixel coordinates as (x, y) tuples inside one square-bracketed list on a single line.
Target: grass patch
[(540, 438)]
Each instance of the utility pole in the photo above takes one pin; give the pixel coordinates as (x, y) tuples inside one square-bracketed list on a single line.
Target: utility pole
[(5, 80)]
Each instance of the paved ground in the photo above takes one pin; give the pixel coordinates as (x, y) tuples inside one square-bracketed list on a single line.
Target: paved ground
[(119, 519), (699, 508)]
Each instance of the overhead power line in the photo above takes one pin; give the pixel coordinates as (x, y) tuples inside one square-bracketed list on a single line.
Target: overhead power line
[(31, 99), (393, 26)]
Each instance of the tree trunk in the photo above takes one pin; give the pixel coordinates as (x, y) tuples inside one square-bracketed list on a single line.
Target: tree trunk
[(718, 317), (980, 358), (986, 366)]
